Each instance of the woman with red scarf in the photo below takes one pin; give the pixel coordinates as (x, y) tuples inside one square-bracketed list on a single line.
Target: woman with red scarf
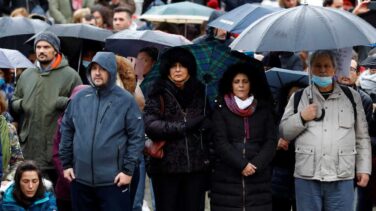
[(244, 140)]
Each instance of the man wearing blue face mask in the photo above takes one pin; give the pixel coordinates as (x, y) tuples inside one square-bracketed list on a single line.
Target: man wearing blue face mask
[(332, 150)]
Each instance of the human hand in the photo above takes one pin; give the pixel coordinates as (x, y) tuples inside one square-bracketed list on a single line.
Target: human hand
[(122, 179), (309, 113), (249, 170), (361, 8), (362, 179), (282, 144), (69, 174)]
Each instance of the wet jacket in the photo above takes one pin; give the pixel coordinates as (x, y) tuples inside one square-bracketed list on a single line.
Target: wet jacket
[(40, 98), (180, 125), (333, 148), (102, 132), (230, 190), (47, 203)]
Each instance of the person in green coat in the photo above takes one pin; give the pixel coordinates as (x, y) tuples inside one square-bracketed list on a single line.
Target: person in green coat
[(40, 97), (62, 10)]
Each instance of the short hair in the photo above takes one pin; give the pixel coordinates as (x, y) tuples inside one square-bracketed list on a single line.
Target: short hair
[(123, 9), (327, 3), (19, 12), (331, 54), (20, 197), (177, 55), (89, 17), (151, 51)]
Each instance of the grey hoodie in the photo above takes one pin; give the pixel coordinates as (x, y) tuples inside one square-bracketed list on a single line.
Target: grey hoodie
[(102, 130)]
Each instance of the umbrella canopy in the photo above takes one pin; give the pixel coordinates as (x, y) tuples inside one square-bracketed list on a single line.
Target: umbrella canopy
[(279, 78), (129, 42), (212, 58), (15, 31), (182, 12), (305, 28), (13, 59), (74, 38), (241, 17)]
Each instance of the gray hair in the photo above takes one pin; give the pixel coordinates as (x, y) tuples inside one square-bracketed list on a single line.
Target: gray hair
[(331, 54)]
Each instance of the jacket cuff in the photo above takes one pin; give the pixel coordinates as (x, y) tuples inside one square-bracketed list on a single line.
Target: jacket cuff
[(17, 105), (67, 167)]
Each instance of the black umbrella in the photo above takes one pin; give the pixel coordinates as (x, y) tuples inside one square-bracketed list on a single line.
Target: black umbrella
[(369, 62), (74, 38), (15, 31)]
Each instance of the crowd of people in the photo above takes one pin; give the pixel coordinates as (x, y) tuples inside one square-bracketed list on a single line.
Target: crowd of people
[(75, 140)]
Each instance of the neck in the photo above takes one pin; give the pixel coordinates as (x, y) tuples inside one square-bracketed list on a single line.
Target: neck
[(327, 88)]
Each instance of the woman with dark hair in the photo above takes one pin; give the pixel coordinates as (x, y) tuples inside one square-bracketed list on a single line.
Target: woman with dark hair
[(244, 140), (176, 112), (28, 191), (103, 16)]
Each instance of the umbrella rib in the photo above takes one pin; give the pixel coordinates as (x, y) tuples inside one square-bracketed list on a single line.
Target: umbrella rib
[(328, 25)]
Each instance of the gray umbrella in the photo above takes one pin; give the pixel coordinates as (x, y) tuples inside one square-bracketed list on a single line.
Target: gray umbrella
[(305, 28), (13, 59), (241, 17), (129, 42)]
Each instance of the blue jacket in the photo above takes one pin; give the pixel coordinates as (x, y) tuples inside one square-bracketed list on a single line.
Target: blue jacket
[(102, 130), (47, 203)]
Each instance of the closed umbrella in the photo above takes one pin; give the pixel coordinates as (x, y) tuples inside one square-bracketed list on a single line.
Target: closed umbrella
[(129, 42), (241, 17), (306, 28)]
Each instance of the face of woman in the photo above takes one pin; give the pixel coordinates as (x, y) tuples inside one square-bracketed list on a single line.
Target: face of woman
[(290, 3), (29, 183), (98, 19), (241, 86), (178, 74)]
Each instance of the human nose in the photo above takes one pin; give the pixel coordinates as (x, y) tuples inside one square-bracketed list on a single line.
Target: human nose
[(30, 185)]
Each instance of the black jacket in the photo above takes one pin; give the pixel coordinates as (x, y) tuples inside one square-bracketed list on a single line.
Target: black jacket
[(182, 126), (228, 191)]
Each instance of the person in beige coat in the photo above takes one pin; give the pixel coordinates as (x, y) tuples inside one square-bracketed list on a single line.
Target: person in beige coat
[(331, 151)]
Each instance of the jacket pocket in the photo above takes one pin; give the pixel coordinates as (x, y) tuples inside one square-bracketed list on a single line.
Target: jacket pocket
[(346, 161), (346, 118), (305, 160)]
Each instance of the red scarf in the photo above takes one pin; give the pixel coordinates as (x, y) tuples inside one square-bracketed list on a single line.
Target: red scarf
[(245, 113)]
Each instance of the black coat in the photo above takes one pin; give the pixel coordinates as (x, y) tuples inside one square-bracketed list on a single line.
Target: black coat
[(228, 192), (182, 126)]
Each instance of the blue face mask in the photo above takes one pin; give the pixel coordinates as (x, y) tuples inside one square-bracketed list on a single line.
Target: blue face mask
[(85, 63), (2, 82), (322, 81)]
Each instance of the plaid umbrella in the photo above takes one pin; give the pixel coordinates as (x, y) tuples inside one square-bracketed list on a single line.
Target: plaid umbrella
[(212, 59)]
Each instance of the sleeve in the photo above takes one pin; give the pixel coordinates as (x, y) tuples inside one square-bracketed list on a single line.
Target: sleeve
[(136, 137), (53, 9), (156, 126), (66, 143), (16, 102), (223, 148), (291, 124), (266, 154), (363, 143), (55, 148), (16, 156)]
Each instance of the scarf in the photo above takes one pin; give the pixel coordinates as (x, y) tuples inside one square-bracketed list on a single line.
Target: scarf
[(53, 65), (5, 141), (245, 113)]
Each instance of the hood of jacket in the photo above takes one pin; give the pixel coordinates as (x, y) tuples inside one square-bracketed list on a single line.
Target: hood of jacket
[(108, 62)]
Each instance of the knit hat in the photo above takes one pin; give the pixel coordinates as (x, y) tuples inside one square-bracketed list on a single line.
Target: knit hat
[(49, 37)]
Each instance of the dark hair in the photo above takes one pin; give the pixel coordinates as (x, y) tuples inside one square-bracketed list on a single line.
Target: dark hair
[(177, 55), (151, 51), (20, 197), (168, 28), (89, 17), (123, 9), (105, 12), (327, 3), (256, 76)]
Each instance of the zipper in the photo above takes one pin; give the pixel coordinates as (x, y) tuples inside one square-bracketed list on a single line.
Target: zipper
[(185, 135), (107, 107), (92, 144), (243, 179)]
